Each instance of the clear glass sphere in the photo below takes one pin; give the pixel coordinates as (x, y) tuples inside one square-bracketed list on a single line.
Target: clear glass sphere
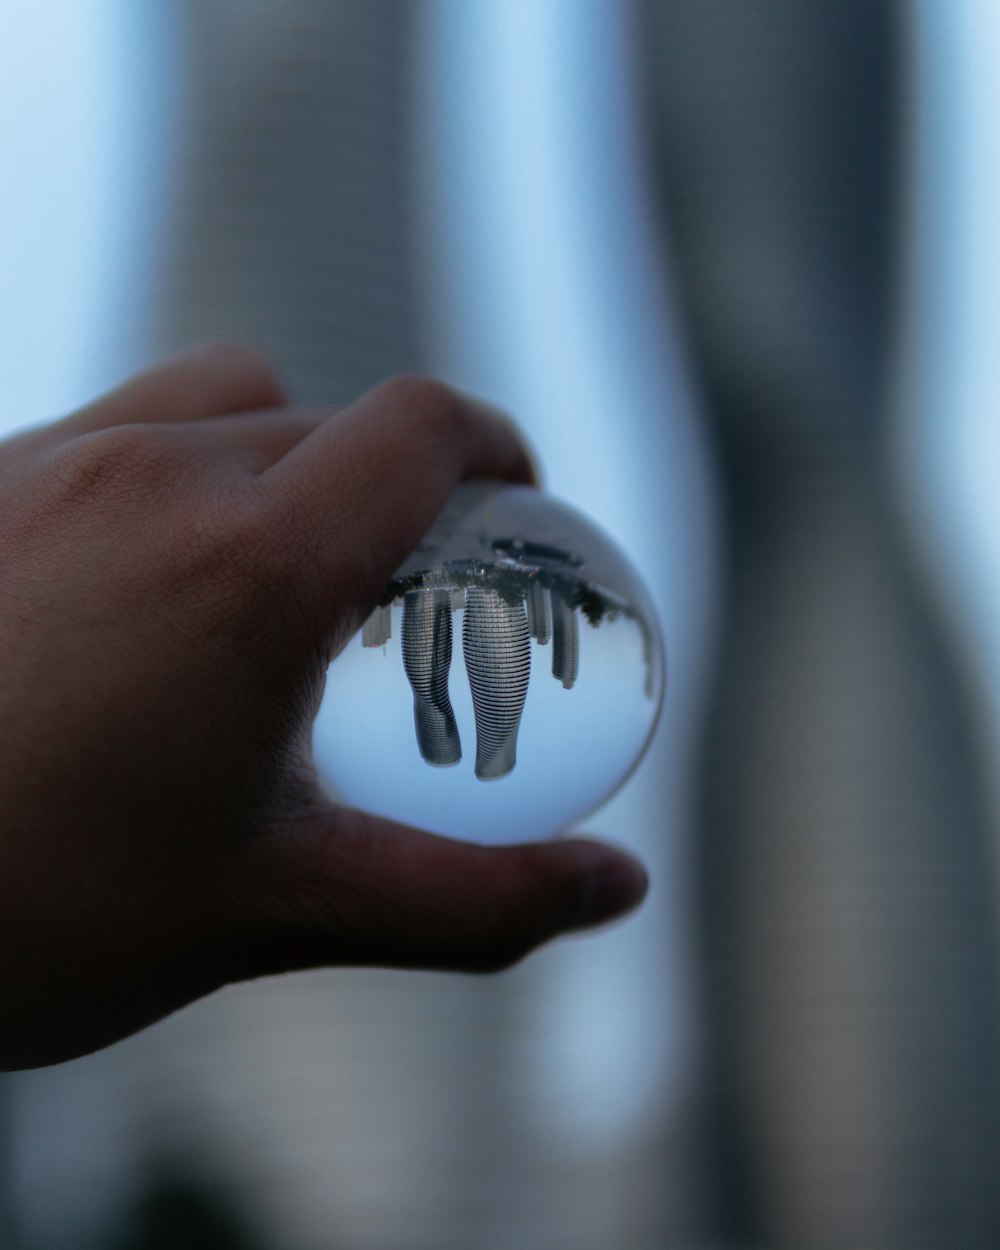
[(509, 681)]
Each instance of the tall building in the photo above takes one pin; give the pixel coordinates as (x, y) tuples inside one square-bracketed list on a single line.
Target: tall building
[(565, 641), (427, 661), (497, 649)]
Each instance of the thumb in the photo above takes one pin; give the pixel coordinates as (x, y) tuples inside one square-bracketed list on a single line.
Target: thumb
[(352, 889)]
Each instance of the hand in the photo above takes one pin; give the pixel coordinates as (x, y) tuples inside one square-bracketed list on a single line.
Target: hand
[(179, 562)]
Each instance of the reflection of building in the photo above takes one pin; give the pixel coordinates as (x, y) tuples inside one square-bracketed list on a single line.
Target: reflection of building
[(427, 660), (504, 609), (565, 641), (378, 628), (498, 660), (539, 617)]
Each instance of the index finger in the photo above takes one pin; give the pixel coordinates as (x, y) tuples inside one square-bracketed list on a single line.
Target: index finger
[(366, 485), (212, 379)]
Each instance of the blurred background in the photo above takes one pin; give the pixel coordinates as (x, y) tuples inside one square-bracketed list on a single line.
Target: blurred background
[(734, 266)]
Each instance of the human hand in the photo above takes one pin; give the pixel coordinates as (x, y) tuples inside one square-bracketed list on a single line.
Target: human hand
[(179, 562)]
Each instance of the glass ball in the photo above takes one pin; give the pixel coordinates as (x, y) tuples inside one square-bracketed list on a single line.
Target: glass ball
[(508, 682)]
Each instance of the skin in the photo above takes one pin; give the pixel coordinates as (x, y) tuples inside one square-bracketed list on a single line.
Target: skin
[(179, 562)]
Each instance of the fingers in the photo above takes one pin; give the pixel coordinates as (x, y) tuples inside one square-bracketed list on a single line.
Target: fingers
[(254, 440), (367, 484), (210, 380), (364, 891)]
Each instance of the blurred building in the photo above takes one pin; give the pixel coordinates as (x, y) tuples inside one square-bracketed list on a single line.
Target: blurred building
[(687, 244)]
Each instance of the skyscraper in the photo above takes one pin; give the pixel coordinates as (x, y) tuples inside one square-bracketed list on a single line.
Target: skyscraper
[(427, 661), (497, 649), (565, 641)]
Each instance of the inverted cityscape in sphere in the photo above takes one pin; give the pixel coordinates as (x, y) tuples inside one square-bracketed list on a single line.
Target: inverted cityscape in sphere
[(554, 696), (526, 595)]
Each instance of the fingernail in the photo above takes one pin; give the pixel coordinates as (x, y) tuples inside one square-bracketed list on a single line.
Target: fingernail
[(612, 887)]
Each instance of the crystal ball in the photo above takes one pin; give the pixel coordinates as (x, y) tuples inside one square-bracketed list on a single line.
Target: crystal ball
[(507, 683)]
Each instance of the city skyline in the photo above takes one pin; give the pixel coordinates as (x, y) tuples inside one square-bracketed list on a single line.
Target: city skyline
[(502, 614)]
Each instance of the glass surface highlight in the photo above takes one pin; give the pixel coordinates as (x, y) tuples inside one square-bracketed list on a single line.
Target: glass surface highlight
[(508, 682)]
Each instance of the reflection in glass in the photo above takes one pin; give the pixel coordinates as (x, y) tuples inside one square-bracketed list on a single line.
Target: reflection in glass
[(510, 572)]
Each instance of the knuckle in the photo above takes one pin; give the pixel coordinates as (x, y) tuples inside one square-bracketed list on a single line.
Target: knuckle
[(436, 410), (289, 545), (248, 361), (227, 569), (117, 464), (250, 559), (230, 541)]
